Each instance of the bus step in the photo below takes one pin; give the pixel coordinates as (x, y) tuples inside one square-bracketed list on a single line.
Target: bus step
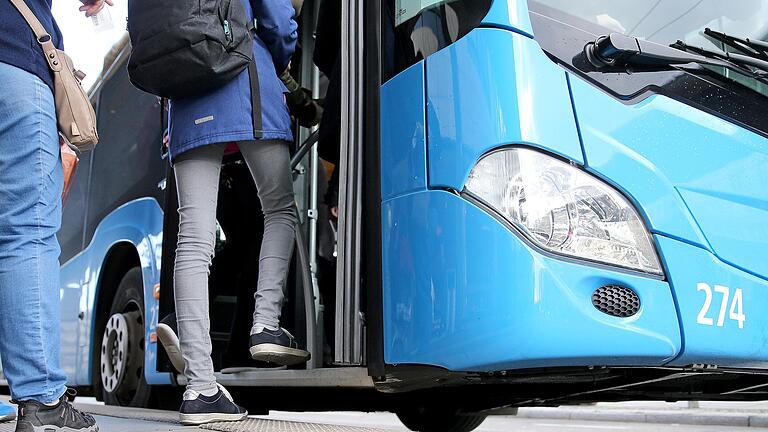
[(264, 425)]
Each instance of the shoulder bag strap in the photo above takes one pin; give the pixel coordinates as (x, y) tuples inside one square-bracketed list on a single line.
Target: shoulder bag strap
[(43, 38)]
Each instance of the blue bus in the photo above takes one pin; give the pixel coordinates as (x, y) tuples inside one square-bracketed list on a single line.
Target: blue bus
[(542, 203)]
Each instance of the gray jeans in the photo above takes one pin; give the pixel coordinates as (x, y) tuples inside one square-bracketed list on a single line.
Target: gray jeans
[(197, 181)]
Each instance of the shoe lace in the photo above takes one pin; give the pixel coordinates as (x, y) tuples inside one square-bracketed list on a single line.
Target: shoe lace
[(226, 392), (70, 413)]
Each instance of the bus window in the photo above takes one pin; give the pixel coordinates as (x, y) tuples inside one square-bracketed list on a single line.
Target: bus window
[(414, 29), (130, 130), (71, 233)]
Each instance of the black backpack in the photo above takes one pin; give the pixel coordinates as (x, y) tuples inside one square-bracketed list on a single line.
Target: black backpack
[(183, 48)]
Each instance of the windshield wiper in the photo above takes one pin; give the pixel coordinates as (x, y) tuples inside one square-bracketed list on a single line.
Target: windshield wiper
[(617, 51), (752, 47), (741, 60)]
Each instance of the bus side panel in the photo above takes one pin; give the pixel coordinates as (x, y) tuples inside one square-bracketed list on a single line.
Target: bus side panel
[(462, 291), (73, 336), (493, 88), (139, 223), (403, 134)]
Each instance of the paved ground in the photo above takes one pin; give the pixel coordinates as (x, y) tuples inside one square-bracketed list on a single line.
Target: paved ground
[(622, 417), (378, 422)]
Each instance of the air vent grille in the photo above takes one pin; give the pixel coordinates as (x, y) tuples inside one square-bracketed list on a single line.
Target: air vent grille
[(616, 300)]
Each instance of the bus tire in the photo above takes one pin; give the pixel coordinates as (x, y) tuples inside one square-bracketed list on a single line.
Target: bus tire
[(121, 349), (425, 419)]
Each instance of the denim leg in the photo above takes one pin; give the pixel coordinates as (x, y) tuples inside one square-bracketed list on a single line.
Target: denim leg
[(31, 181)]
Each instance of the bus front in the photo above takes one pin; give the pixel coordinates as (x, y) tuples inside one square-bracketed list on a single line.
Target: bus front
[(545, 215)]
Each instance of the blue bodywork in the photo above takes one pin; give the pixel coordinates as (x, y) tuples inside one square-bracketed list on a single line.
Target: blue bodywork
[(462, 290), (138, 224)]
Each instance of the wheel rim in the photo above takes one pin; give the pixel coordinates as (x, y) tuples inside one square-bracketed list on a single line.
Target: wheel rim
[(122, 357), (114, 352)]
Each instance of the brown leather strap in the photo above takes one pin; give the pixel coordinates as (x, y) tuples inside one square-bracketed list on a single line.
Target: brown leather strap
[(43, 38)]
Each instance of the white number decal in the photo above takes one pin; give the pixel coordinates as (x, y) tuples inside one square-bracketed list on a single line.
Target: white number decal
[(702, 318), (736, 311), (724, 304)]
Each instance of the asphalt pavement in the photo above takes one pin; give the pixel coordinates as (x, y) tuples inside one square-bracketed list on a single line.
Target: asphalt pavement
[(375, 422), (627, 416)]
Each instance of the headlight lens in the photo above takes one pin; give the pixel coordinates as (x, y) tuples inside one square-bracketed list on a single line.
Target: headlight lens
[(563, 209)]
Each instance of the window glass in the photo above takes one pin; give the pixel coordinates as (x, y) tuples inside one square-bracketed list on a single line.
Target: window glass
[(666, 21), (407, 9), (73, 212), (414, 29), (127, 163)]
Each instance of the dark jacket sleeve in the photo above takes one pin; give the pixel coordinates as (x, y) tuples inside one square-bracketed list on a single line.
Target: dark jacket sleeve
[(277, 29), (328, 36)]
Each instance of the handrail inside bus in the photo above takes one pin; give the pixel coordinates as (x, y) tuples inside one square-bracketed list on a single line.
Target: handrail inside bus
[(304, 149), (306, 272)]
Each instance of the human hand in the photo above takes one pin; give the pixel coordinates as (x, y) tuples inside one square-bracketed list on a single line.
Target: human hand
[(92, 7)]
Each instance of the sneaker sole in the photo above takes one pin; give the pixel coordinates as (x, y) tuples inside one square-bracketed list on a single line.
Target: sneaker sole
[(278, 354), (198, 419), (94, 428), (237, 370), (172, 346)]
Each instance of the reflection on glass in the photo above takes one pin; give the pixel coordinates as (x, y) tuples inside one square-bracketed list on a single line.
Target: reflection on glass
[(666, 21), (407, 9)]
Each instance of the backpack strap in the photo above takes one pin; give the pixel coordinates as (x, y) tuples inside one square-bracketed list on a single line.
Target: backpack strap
[(253, 73), (255, 100)]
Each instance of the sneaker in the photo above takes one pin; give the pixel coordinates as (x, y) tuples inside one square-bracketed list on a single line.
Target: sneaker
[(198, 409), (277, 346), (7, 412), (167, 334), (62, 417)]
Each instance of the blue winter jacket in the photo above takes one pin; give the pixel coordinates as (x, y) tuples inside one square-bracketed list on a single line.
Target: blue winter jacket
[(225, 114)]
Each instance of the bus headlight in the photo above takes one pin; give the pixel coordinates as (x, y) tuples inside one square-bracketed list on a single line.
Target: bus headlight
[(563, 209)]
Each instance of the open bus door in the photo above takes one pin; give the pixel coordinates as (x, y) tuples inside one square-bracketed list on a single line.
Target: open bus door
[(357, 298)]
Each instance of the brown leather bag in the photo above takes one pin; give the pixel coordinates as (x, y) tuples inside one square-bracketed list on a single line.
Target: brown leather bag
[(76, 117), (69, 161)]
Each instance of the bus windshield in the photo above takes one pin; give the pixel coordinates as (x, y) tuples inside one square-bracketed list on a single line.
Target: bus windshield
[(407, 9), (666, 21)]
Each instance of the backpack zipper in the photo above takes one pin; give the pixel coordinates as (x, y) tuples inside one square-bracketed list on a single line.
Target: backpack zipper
[(227, 31)]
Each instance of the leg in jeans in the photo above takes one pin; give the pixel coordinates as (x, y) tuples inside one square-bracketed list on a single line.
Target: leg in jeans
[(30, 215), (269, 162), (197, 180)]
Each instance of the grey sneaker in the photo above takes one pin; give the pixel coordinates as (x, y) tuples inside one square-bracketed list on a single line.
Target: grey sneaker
[(63, 417)]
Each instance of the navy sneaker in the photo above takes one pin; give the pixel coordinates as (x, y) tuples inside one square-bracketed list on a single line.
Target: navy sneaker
[(198, 409), (167, 333), (7, 412), (62, 417), (277, 346)]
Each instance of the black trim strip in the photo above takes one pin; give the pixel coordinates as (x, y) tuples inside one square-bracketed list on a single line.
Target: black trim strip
[(371, 212)]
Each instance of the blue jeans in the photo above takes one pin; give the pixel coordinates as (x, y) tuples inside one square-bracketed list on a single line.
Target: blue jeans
[(31, 180)]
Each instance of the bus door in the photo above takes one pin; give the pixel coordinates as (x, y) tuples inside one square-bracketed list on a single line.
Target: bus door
[(339, 364)]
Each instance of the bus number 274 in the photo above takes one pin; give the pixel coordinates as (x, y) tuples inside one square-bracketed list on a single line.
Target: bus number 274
[(735, 312)]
